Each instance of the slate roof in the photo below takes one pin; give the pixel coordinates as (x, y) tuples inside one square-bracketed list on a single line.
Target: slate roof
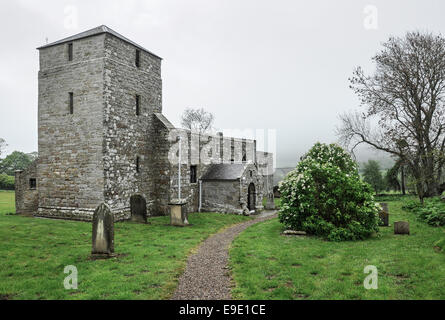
[(96, 31), (223, 171), (164, 121)]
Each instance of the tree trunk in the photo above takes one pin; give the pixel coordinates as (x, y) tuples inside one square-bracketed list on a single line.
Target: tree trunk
[(402, 170)]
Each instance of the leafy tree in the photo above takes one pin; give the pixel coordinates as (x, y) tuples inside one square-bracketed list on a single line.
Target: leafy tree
[(15, 161), (6, 182), (197, 120), (325, 196), (373, 176), (392, 179), (2, 145), (405, 95)]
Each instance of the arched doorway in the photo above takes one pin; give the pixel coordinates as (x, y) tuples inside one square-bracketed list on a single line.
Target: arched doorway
[(138, 208), (251, 197)]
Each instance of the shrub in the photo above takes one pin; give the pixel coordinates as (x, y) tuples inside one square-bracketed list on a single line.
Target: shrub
[(6, 182), (431, 212), (325, 196), (440, 245)]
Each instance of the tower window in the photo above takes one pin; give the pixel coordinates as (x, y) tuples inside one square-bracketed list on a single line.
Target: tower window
[(71, 103), (192, 174), (138, 105), (138, 58), (137, 164), (32, 183), (70, 52)]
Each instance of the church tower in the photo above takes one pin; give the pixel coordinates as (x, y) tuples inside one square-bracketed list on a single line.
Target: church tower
[(98, 93)]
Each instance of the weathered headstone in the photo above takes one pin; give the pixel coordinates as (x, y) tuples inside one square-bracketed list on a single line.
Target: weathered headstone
[(138, 208), (270, 202), (178, 213), (401, 227), (103, 231), (384, 214)]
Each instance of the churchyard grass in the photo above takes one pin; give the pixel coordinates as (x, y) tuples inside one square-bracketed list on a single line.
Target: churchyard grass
[(267, 265), (34, 253)]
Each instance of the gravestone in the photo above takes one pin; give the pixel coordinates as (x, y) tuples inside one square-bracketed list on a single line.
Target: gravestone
[(178, 213), (270, 203), (384, 214), (401, 227), (138, 208), (103, 231)]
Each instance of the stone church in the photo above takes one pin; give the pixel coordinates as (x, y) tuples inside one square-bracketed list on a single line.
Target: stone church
[(102, 137)]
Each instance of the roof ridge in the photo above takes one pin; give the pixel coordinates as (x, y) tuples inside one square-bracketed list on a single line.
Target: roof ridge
[(96, 31)]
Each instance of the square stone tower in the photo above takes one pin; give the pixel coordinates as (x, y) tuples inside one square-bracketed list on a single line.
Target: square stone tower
[(98, 93)]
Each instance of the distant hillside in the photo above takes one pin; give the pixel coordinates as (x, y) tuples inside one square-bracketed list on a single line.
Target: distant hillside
[(280, 173)]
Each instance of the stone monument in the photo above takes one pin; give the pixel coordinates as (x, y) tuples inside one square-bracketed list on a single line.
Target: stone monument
[(138, 208), (103, 231), (178, 213), (384, 214), (401, 227), (270, 201)]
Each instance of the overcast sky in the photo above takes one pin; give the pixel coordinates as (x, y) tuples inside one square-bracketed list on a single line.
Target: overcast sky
[(267, 65)]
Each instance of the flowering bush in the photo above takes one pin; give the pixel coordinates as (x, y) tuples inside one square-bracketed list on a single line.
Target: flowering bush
[(325, 196)]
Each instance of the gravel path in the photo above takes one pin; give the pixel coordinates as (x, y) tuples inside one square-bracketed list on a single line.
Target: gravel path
[(206, 275)]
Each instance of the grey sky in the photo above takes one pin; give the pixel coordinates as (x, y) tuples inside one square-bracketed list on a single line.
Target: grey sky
[(280, 65)]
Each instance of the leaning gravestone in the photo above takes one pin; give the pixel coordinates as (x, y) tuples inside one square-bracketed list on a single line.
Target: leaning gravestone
[(384, 214), (138, 208), (401, 227), (103, 231)]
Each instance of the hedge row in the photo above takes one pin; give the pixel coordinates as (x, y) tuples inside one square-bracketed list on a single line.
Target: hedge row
[(6, 182)]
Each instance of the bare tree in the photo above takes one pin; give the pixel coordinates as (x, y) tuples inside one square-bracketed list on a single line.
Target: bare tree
[(197, 120), (404, 107), (2, 145)]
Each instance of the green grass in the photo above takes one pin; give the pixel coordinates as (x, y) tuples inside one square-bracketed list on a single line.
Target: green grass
[(34, 253), (267, 265), (7, 201)]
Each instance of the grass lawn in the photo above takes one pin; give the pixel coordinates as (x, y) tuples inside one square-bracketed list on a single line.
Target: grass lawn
[(34, 253), (267, 265)]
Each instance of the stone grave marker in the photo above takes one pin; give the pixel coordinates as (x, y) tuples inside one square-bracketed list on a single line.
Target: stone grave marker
[(401, 227), (270, 203), (384, 214), (138, 208), (178, 213), (103, 231)]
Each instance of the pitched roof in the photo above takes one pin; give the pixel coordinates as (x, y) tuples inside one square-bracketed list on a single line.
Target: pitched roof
[(96, 31), (223, 171), (164, 121)]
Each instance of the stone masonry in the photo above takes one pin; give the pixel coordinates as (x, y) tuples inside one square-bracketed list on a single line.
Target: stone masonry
[(102, 137)]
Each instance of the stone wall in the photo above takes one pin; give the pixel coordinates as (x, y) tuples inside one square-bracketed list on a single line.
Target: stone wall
[(266, 169), (160, 166), (202, 150), (70, 168), (26, 198), (128, 136), (221, 196)]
